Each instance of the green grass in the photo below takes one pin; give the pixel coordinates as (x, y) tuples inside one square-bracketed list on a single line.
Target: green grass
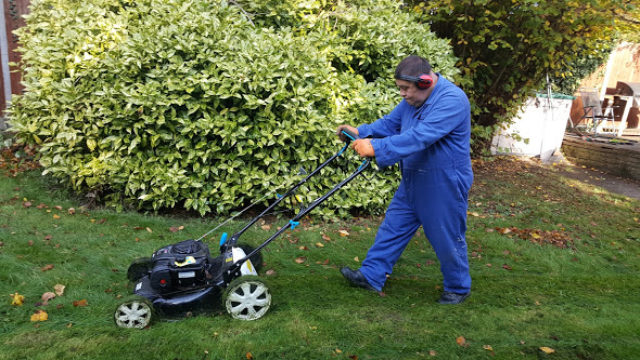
[(582, 301)]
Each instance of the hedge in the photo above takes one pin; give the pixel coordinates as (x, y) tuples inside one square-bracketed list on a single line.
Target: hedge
[(210, 105)]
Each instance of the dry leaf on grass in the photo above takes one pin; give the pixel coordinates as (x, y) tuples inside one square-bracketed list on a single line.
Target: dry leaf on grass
[(47, 267), (547, 350), (59, 289), (17, 299), (40, 315), (461, 341), (80, 303), (47, 296)]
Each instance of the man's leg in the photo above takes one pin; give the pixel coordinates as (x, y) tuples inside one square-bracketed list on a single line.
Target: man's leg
[(397, 228), (444, 219)]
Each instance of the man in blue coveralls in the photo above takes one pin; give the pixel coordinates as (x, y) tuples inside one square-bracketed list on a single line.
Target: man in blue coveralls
[(428, 133)]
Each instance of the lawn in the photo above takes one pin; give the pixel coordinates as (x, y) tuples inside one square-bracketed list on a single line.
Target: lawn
[(555, 265)]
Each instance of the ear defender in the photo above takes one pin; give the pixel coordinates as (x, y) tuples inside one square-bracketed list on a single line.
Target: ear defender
[(423, 81)]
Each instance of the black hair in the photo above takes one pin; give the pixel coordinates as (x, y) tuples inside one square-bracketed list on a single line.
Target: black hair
[(413, 66)]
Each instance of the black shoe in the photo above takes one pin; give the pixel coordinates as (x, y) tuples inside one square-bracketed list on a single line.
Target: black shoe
[(452, 298), (356, 278)]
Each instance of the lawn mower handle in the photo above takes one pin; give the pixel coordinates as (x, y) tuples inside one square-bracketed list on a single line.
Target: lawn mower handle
[(234, 238), (233, 270)]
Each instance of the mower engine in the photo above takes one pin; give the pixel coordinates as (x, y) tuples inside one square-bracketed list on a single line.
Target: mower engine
[(180, 266)]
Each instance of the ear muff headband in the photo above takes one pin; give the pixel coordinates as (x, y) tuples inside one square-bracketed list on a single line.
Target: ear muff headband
[(423, 81)]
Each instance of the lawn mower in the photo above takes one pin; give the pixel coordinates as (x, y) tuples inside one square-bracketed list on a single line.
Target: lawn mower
[(183, 278)]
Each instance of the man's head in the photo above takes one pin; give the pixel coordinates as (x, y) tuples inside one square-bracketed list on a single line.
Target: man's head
[(415, 80)]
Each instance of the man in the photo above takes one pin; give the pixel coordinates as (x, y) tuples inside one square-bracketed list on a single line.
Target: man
[(428, 133)]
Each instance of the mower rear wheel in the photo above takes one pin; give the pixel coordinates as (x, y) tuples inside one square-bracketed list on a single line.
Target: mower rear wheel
[(134, 313), (247, 298)]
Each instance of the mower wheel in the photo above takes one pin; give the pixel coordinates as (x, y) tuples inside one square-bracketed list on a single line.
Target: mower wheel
[(247, 298), (134, 313), (256, 260), (139, 268)]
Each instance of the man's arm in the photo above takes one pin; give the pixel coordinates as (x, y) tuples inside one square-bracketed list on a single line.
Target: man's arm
[(443, 119), (385, 126)]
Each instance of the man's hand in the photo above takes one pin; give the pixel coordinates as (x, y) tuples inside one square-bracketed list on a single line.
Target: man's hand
[(363, 147), (345, 127)]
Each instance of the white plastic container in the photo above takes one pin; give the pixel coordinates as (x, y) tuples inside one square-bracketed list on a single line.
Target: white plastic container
[(537, 130)]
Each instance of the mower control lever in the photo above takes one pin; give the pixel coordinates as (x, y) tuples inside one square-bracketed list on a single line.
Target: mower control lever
[(350, 135)]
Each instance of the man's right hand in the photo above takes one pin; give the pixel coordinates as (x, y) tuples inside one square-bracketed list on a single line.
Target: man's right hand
[(345, 127)]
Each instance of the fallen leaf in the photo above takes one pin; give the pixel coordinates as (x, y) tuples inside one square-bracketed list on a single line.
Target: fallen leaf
[(319, 244), (41, 206), (461, 341), (80, 303), (433, 353), (249, 356), (27, 204), (302, 247), (353, 357), (59, 289), (56, 216), (487, 347), (547, 350), (71, 211), (343, 233), (300, 259), (149, 229), (17, 299), (48, 237), (338, 351), (326, 237), (507, 267), (270, 272), (356, 259), (326, 262), (40, 315), (58, 207), (503, 231), (266, 227), (47, 296), (47, 267)]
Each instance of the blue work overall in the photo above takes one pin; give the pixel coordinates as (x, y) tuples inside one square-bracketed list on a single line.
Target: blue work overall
[(431, 143)]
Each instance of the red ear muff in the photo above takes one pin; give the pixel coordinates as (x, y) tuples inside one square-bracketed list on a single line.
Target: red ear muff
[(423, 81)]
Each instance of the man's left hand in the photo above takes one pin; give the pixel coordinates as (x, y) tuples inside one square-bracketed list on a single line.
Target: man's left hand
[(363, 147)]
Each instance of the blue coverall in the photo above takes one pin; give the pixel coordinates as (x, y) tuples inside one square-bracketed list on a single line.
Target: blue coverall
[(432, 145)]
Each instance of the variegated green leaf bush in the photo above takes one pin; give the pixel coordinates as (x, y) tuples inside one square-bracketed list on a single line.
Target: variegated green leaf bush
[(210, 105)]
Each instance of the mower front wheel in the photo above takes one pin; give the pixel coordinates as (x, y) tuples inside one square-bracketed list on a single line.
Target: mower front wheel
[(139, 268), (134, 313), (247, 298)]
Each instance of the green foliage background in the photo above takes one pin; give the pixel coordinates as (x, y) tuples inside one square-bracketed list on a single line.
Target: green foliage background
[(507, 48), (209, 105)]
